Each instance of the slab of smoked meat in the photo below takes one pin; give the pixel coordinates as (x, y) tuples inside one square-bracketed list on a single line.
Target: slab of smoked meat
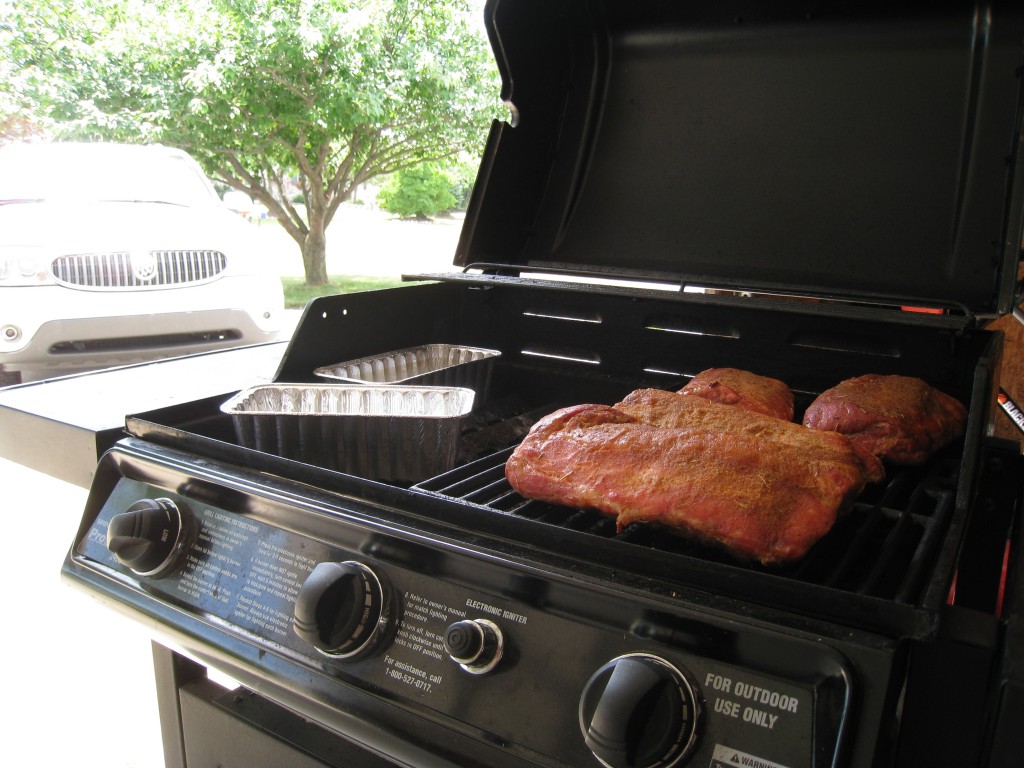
[(759, 487), (668, 409), (900, 419), (743, 389)]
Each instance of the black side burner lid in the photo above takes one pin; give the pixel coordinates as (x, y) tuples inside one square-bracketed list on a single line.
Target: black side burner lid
[(857, 150)]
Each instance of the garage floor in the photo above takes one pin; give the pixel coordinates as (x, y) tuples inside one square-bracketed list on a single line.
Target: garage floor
[(78, 677)]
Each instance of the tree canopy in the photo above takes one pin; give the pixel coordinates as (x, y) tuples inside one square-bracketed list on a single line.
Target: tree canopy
[(269, 95), (419, 192)]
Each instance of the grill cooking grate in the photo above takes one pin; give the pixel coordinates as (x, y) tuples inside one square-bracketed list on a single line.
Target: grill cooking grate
[(883, 547)]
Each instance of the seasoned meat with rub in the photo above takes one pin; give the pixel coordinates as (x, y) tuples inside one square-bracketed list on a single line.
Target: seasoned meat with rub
[(746, 390), (759, 487), (900, 419), (668, 409)]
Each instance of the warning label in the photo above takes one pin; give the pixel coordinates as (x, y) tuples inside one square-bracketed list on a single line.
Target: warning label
[(726, 757)]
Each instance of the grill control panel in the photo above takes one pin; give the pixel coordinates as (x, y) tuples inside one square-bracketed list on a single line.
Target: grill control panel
[(558, 670)]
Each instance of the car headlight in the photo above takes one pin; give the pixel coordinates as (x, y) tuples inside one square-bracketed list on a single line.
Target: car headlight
[(24, 265)]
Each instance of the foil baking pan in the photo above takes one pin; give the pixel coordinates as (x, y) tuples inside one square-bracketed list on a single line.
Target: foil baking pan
[(396, 434), (433, 365)]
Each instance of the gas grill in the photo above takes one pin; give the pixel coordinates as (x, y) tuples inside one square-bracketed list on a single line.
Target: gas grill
[(809, 195)]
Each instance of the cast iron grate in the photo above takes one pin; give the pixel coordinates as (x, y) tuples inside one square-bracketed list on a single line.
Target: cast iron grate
[(884, 547)]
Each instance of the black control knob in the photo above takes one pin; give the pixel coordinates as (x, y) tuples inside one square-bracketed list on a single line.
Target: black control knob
[(476, 645), (150, 536), (342, 609), (639, 711)]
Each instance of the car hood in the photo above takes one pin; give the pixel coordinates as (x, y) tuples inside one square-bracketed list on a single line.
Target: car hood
[(64, 228)]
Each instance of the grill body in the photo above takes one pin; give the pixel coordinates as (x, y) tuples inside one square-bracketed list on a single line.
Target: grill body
[(863, 626)]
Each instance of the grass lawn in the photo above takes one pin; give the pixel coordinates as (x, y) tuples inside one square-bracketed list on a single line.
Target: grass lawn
[(297, 294)]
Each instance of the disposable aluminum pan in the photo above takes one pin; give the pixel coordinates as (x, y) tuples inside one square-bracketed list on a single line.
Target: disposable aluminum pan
[(430, 365), (396, 434)]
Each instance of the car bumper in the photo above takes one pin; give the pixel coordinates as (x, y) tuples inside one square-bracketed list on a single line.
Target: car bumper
[(53, 329)]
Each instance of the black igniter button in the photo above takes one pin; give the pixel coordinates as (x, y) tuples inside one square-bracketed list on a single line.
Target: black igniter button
[(463, 641), (476, 645)]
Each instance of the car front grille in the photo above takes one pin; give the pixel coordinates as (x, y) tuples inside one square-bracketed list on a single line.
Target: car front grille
[(138, 269)]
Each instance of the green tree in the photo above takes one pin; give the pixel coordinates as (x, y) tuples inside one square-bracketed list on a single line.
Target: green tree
[(421, 191), (267, 94)]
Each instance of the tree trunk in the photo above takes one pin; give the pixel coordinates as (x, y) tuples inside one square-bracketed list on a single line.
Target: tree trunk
[(314, 252)]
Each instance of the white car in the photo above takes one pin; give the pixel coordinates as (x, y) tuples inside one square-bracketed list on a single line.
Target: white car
[(113, 254)]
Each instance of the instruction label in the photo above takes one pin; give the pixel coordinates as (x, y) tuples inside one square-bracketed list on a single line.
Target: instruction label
[(726, 757)]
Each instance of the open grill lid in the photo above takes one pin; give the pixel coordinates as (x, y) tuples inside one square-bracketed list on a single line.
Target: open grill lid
[(862, 151)]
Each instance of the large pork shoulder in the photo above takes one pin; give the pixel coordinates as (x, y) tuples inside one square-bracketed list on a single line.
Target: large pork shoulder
[(761, 488)]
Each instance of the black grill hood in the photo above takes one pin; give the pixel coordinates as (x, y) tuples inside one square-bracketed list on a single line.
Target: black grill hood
[(862, 151)]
